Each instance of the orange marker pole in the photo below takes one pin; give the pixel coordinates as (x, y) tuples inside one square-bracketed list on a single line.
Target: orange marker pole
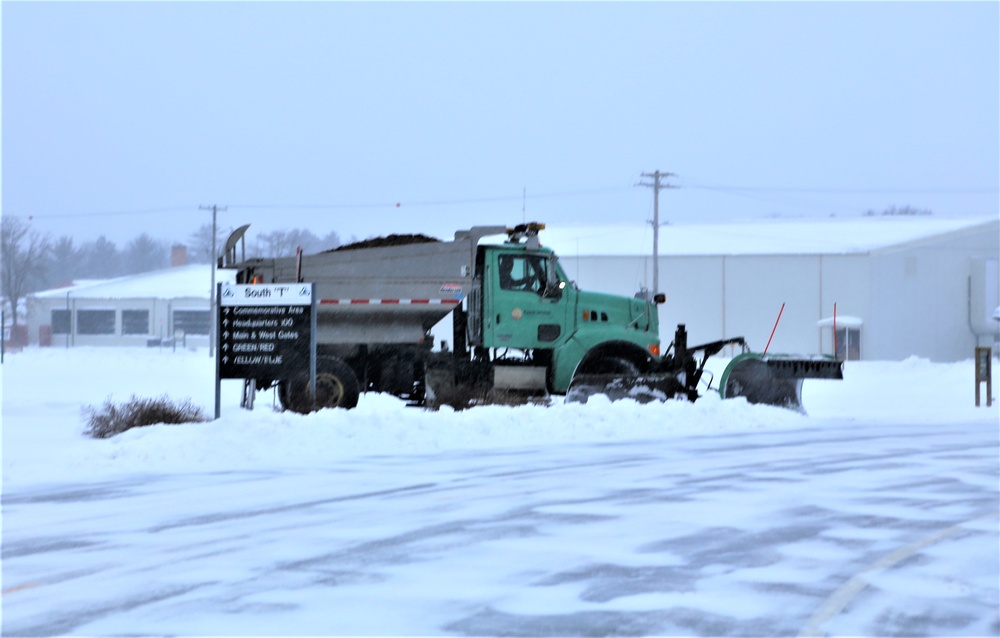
[(774, 328)]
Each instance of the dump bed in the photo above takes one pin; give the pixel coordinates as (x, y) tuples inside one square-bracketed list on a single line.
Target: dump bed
[(388, 294)]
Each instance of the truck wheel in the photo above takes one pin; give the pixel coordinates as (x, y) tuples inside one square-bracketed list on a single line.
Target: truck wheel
[(619, 365), (610, 365), (614, 377), (336, 384), (336, 387)]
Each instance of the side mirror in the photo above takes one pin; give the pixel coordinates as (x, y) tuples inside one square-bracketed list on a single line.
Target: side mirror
[(553, 287), (659, 298), (553, 291)]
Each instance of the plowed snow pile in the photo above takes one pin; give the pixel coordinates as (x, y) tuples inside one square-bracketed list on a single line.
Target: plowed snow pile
[(46, 389)]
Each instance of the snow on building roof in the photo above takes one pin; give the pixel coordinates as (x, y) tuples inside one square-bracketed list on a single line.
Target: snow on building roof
[(766, 237), (171, 283), (72, 287), (843, 321)]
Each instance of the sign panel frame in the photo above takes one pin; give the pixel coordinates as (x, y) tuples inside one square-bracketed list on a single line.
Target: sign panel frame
[(266, 331)]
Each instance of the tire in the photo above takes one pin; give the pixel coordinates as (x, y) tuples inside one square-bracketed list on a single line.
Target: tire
[(600, 376), (611, 365), (336, 387), (622, 366)]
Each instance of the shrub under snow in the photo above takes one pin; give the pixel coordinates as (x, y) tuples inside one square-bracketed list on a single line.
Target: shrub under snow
[(112, 419)]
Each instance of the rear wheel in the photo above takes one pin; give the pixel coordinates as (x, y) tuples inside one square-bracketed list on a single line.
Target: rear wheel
[(336, 387)]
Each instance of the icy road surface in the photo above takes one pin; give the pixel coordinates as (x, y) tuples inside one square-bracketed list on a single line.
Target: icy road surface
[(856, 529), (874, 515)]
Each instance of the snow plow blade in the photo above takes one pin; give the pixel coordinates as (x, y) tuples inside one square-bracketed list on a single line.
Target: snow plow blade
[(775, 379), (644, 388)]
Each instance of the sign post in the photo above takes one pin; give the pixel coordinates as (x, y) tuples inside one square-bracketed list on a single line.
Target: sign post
[(984, 374), (266, 331)]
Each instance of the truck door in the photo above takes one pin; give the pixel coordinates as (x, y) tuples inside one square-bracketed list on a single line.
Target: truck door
[(527, 307)]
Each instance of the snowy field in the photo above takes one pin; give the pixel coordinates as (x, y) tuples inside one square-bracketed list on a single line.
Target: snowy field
[(876, 514)]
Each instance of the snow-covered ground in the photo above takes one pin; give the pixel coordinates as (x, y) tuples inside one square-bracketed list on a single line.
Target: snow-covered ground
[(45, 389), (874, 514)]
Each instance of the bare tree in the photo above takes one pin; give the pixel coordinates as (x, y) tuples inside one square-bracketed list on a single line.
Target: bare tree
[(330, 241), (269, 244), (283, 243), (22, 258), (200, 243)]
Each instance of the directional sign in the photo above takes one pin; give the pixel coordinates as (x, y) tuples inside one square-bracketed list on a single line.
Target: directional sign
[(265, 330)]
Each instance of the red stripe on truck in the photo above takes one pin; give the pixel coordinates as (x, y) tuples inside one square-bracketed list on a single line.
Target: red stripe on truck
[(389, 301)]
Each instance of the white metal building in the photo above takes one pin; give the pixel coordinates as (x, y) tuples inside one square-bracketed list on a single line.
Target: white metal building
[(140, 310), (902, 287)]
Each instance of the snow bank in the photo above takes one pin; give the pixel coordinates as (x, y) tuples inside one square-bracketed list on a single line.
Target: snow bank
[(46, 389)]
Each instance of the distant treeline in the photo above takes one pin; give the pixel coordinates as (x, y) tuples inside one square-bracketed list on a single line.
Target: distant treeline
[(906, 211), (62, 260)]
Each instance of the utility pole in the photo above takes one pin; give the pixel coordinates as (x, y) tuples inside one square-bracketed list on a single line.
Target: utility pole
[(657, 185), (213, 313)]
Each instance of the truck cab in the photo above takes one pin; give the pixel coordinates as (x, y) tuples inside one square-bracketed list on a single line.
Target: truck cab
[(524, 301)]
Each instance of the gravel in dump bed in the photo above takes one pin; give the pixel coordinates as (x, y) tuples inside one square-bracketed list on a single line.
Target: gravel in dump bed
[(389, 240)]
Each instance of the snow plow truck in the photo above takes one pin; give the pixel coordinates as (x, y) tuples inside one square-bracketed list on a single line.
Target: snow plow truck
[(520, 328)]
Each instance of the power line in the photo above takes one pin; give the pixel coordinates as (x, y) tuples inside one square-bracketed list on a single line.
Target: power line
[(440, 202), (142, 211), (521, 197), (339, 205)]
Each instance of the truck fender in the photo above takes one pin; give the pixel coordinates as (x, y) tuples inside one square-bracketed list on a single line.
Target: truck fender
[(575, 357), (615, 350)]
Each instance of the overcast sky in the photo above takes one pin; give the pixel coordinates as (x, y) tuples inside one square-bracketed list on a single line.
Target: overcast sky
[(120, 118)]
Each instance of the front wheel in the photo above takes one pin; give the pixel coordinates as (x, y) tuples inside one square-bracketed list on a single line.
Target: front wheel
[(336, 387), (609, 365)]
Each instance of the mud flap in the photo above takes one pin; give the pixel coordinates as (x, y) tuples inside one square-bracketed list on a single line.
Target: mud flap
[(644, 388), (775, 379)]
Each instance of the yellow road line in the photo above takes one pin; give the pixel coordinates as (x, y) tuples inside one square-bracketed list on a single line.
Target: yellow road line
[(846, 593), (10, 590)]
